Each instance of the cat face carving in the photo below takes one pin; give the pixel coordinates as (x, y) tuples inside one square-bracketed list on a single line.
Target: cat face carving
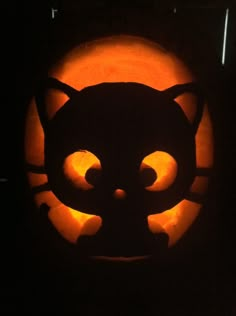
[(118, 148), (122, 151)]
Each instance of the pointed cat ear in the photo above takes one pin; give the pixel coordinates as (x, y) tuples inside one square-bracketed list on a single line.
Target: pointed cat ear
[(51, 94), (190, 98)]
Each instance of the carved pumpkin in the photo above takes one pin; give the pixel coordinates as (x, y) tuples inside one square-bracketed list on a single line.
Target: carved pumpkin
[(119, 147)]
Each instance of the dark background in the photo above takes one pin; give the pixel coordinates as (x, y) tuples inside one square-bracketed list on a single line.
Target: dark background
[(197, 277)]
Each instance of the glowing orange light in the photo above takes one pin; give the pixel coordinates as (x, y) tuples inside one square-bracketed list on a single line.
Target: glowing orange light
[(77, 164), (165, 167), (119, 59), (119, 194)]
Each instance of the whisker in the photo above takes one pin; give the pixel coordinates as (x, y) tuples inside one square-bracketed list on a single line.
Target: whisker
[(40, 188), (203, 171), (194, 197), (35, 169)]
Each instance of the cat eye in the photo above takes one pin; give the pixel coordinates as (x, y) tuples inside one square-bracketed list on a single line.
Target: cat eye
[(83, 169), (158, 171)]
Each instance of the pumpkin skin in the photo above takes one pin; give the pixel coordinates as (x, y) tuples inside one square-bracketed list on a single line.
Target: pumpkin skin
[(118, 59)]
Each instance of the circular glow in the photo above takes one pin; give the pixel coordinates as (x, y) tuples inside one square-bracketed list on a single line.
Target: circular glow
[(121, 59), (118, 59)]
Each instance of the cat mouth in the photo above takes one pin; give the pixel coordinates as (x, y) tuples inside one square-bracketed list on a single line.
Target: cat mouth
[(129, 249), (120, 259)]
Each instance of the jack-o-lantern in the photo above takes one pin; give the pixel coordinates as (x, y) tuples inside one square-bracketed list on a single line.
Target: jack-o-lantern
[(119, 147)]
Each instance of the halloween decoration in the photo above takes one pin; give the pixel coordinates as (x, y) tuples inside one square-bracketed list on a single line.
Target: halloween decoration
[(119, 147)]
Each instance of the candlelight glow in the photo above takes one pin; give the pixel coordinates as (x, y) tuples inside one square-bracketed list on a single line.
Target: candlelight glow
[(165, 167), (118, 59), (77, 164)]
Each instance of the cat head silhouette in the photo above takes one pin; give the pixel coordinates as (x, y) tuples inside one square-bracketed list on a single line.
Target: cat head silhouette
[(119, 125)]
